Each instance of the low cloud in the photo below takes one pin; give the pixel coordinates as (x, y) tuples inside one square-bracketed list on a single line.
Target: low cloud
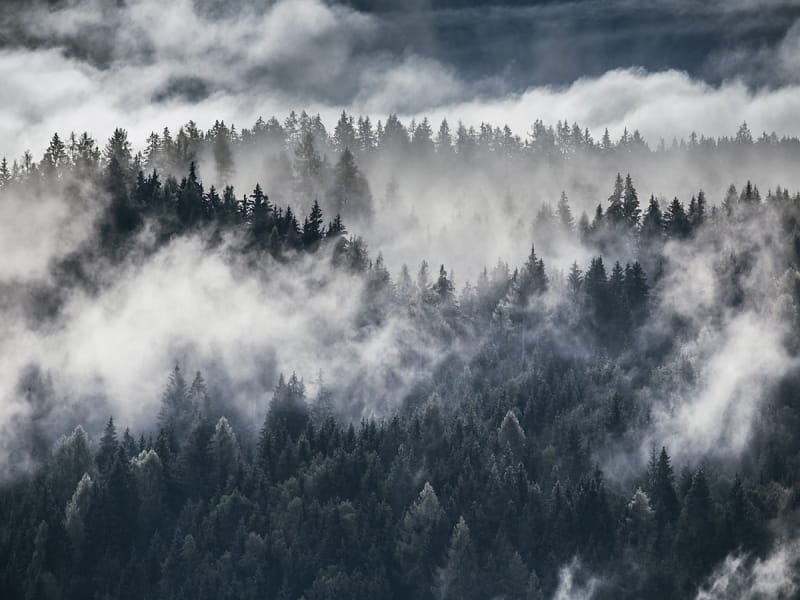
[(732, 289), (659, 105), (741, 576), (147, 64), (110, 353), (574, 583)]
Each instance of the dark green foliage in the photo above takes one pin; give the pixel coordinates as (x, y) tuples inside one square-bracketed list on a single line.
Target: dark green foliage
[(664, 498), (630, 203), (321, 509), (616, 211), (350, 192), (458, 578), (653, 222), (288, 411), (108, 447), (177, 409), (676, 221), (483, 483)]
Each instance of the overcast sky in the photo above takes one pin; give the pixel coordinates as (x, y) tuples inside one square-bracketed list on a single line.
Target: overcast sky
[(144, 64)]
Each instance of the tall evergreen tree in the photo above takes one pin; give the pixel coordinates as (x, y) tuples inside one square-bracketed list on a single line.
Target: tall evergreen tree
[(565, 214), (457, 580), (190, 203), (119, 148), (108, 447), (653, 222), (313, 227), (630, 203), (662, 493), (351, 193), (177, 411), (676, 221), (443, 288), (420, 542), (615, 213)]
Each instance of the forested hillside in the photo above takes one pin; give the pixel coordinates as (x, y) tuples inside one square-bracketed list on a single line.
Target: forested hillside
[(217, 385)]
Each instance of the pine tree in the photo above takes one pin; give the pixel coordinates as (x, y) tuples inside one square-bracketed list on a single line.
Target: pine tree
[(424, 282), (599, 221), (223, 155), (532, 279), (189, 205), (511, 435), (574, 282), (288, 409), (118, 506), (636, 290), (444, 139), (365, 135), (422, 140), (40, 583), (653, 222), (225, 452), (696, 528), (313, 227), (730, 200), (351, 194), (344, 134), (261, 215), (697, 210), (307, 162), (198, 398), (630, 203), (5, 173), (605, 143), (119, 148), (676, 221), (665, 500), (55, 157), (743, 135), (457, 580), (108, 447), (420, 541), (443, 288), (76, 512), (565, 214), (86, 158), (749, 194), (595, 286), (615, 213), (584, 227), (71, 460), (336, 228), (177, 411)]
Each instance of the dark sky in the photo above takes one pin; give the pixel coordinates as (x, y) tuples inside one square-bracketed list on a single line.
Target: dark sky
[(517, 44), (535, 43)]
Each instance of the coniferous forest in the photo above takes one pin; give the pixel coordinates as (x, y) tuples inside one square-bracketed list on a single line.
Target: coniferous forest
[(495, 301), (543, 430)]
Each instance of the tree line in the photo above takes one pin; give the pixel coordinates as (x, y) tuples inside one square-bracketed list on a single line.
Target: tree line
[(485, 482)]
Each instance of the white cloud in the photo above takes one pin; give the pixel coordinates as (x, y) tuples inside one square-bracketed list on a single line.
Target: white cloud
[(575, 585), (740, 576), (719, 378), (659, 105), (307, 53), (194, 306)]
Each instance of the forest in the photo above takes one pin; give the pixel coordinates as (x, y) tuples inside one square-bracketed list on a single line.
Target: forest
[(284, 412)]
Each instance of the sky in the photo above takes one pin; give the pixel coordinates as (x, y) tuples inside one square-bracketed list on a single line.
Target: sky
[(663, 67)]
